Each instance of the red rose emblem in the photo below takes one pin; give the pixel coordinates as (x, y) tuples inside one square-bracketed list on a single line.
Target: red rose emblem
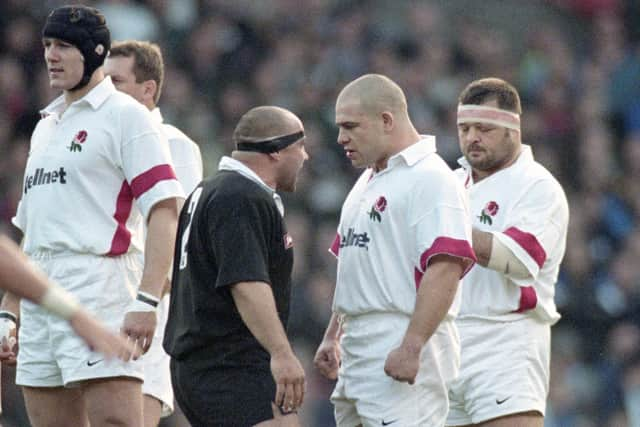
[(491, 208), (81, 136), (378, 207)]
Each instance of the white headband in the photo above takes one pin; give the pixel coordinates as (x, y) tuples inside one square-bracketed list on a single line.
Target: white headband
[(471, 113)]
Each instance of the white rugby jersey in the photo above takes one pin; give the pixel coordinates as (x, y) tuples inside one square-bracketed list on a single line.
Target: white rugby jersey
[(187, 160), (524, 207), (391, 223), (86, 168)]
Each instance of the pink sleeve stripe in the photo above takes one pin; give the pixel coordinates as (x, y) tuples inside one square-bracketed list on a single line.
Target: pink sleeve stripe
[(529, 243), (122, 236), (446, 246), (335, 246), (146, 180), (528, 299)]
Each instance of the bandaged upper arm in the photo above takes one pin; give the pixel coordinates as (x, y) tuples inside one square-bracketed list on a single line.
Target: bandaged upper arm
[(504, 261)]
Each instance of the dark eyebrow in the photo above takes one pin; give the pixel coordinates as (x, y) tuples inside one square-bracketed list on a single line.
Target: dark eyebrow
[(346, 123)]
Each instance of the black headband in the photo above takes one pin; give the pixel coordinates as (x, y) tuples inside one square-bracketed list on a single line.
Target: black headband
[(270, 145)]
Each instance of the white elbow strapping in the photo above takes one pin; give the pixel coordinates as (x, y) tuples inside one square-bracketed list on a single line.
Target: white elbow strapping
[(504, 261)]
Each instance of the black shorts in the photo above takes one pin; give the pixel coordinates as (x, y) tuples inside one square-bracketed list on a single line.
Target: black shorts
[(223, 397)]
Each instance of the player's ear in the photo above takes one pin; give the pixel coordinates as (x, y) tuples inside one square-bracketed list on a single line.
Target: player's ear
[(274, 156), (387, 120), (150, 88)]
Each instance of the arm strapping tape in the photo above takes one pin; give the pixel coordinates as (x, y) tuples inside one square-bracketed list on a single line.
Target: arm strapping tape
[(504, 261)]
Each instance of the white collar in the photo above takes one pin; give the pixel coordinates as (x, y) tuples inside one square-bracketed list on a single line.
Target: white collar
[(415, 152), (157, 115), (230, 164), (95, 97)]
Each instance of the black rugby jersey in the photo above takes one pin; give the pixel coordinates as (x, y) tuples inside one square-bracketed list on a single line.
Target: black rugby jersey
[(230, 231)]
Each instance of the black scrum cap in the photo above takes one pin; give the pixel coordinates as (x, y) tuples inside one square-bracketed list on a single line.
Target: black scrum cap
[(85, 28)]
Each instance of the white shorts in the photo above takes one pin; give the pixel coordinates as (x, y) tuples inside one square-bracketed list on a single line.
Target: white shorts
[(504, 370), (365, 395), (157, 375), (51, 354)]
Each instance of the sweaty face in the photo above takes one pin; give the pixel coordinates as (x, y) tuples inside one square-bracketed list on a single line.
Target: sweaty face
[(293, 158), (360, 134), (487, 147), (65, 63), (120, 68)]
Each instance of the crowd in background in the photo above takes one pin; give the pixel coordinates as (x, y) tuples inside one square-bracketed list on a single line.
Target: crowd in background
[(575, 62)]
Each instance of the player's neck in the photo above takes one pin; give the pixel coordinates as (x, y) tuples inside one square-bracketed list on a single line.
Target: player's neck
[(401, 142), (264, 172), (71, 96)]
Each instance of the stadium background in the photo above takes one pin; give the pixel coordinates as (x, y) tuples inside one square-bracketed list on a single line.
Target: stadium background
[(576, 63)]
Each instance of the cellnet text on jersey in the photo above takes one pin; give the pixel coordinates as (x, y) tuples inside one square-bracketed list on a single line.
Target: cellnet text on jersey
[(352, 238), (41, 178)]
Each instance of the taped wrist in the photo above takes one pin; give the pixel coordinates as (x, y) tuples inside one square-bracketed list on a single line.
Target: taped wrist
[(144, 302), (59, 302), (7, 324), (4, 314)]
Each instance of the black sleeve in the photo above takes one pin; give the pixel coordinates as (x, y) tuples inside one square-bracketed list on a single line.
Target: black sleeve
[(238, 230)]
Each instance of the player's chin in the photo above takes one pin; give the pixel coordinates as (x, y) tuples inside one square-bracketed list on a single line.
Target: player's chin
[(358, 164), (288, 187), (60, 84), (476, 160)]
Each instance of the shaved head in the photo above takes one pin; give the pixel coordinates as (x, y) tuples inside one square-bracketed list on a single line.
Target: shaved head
[(375, 94), (265, 122), (373, 121), (279, 168)]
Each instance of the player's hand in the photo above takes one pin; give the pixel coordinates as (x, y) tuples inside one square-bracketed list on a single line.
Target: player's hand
[(403, 362), (140, 326), (8, 342), (101, 340), (327, 358), (289, 377)]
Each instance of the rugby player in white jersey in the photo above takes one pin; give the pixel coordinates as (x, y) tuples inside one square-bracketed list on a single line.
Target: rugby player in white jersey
[(403, 244), (520, 215), (137, 68), (98, 168)]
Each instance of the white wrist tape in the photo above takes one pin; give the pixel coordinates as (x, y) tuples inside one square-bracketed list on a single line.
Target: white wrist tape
[(7, 324), (504, 261), (144, 302), (59, 302)]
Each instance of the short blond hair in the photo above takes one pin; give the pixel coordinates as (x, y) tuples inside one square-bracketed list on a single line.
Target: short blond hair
[(376, 93), (147, 61)]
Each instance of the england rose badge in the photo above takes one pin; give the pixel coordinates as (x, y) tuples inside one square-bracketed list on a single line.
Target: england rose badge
[(376, 210), (489, 211)]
